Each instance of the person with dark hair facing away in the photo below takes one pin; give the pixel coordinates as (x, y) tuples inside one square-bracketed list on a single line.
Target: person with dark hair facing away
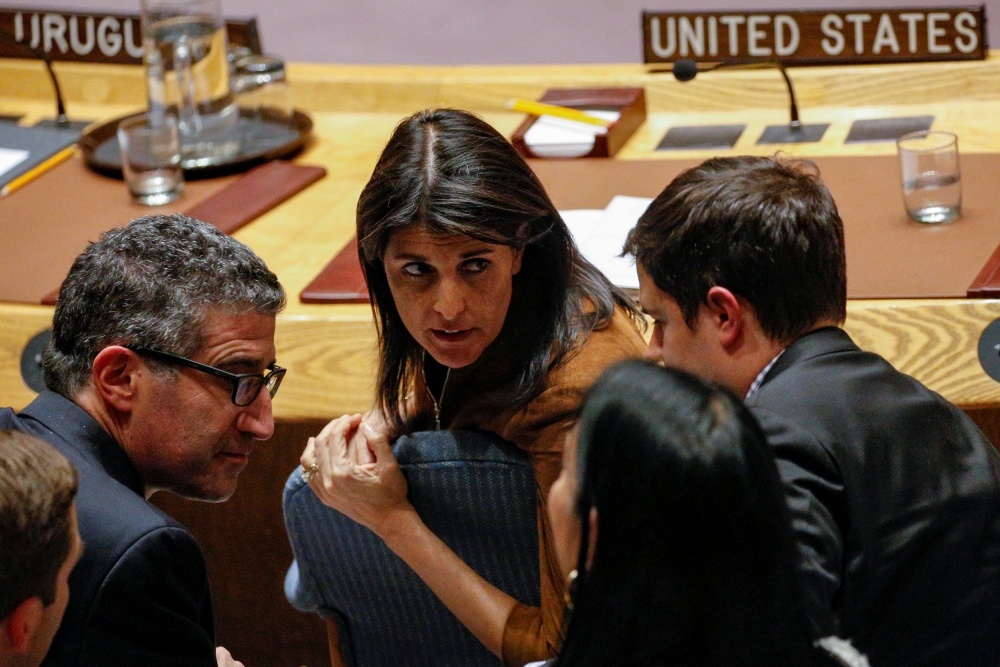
[(39, 545), (670, 519), (894, 492), (160, 375), (488, 318)]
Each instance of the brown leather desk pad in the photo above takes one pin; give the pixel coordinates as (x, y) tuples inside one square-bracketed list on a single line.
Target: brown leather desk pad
[(48, 222), (888, 256)]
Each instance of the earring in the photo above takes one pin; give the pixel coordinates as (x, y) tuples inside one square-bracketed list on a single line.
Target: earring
[(568, 595)]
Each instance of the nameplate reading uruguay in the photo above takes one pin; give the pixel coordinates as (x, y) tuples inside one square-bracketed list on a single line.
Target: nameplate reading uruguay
[(92, 36), (817, 37)]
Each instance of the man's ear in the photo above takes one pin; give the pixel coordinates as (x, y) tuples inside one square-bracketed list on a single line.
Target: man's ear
[(114, 374), (726, 315), (18, 630)]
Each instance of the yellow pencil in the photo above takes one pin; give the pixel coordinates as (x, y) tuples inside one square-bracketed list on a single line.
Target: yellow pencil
[(543, 109), (32, 174)]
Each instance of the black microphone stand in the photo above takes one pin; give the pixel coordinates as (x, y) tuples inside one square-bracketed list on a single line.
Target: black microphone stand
[(62, 120), (795, 132)]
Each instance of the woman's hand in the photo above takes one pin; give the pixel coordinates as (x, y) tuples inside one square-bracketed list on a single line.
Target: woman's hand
[(357, 473)]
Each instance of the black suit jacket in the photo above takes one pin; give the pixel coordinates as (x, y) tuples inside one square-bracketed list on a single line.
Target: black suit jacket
[(895, 501), (139, 595)]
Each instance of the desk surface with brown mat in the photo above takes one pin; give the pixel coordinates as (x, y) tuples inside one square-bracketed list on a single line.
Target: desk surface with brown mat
[(329, 349)]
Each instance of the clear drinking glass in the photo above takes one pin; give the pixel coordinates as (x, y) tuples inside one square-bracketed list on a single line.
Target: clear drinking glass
[(932, 181), (187, 75), (151, 159), (261, 88)]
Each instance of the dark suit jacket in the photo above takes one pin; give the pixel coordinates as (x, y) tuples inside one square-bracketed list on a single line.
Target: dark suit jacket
[(139, 595), (895, 500)]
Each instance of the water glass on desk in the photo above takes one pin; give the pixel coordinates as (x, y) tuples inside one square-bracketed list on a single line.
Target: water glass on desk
[(151, 159), (932, 185)]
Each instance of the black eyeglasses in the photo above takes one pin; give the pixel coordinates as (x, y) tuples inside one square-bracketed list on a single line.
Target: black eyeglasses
[(246, 386)]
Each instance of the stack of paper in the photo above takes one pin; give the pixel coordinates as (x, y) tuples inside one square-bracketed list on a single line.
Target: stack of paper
[(600, 236), (10, 158), (557, 137)]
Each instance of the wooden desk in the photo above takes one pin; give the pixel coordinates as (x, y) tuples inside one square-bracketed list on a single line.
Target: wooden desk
[(329, 350)]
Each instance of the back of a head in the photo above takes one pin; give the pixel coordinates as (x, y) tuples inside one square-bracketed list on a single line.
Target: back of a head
[(766, 229), (151, 284), (37, 487), (695, 561)]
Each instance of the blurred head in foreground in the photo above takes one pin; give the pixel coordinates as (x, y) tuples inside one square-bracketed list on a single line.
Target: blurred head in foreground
[(39, 545), (670, 509)]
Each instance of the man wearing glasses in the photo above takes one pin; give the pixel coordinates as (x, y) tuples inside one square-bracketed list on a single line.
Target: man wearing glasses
[(160, 376)]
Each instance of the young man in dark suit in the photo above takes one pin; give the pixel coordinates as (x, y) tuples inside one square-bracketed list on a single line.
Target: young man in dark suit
[(39, 545), (160, 376), (894, 493)]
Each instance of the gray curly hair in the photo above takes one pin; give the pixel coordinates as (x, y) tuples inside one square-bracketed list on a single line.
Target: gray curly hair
[(151, 284)]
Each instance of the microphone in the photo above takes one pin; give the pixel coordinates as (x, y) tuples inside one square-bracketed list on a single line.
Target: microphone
[(62, 120), (686, 69)]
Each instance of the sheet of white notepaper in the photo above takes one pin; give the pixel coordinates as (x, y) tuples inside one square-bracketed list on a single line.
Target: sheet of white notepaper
[(10, 158), (600, 235), (558, 137), (581, 222)]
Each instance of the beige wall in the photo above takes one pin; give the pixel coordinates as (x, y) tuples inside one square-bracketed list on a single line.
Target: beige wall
[(473, 31)]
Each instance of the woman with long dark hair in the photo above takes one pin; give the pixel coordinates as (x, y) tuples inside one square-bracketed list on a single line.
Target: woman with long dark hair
[(671, 516), (488, 318)]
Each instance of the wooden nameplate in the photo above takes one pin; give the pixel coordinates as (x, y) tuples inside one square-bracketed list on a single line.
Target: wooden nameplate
[(342, 281), (631, 102), (253, 194), (987, 283)]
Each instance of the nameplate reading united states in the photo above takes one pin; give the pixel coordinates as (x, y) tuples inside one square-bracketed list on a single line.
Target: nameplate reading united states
[(90, 36), (817, 37)]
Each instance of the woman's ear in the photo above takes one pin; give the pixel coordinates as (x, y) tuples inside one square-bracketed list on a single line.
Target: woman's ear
[(516, 264), (591, 537)]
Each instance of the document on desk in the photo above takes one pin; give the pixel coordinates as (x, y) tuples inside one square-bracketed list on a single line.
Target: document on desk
[(24, 148), (600, 236), (10, 158)]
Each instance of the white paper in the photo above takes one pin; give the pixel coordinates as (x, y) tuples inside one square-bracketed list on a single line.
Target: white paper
[(10, 158), (581, 222), (604, 243), (550, 136)]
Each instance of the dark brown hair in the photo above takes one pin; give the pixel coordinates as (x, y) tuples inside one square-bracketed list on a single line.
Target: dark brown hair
[(767, 230), (37, 487), (451, 173)]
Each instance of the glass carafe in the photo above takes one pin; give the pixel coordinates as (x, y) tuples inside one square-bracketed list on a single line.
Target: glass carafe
[(187, 75)]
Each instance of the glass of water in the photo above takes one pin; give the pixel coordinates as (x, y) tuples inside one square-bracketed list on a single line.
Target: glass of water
[(151, 159), (932, 181)]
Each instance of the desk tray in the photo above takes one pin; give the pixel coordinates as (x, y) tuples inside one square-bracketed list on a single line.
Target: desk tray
[(273, 136)]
